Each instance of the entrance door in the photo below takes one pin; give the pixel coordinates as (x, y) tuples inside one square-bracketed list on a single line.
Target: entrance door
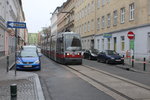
[(115, 43), (92, 43), (148, 44)]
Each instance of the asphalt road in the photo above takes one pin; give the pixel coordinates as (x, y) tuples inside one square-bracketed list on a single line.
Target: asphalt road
[(60, 84)]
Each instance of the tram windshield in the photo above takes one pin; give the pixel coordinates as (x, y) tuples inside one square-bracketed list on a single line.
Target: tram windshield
[(72, 42)]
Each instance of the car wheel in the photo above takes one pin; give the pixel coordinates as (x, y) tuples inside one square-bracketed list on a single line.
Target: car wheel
[(89, 57), (98, 60), (107, 61)]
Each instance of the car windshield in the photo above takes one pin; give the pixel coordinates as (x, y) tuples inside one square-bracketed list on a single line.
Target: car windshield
[(28, 54), (95, 51), (111, 52), (29, 48)]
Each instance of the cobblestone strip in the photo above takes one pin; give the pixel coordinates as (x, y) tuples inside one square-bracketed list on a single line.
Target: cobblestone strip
[(25, 89)]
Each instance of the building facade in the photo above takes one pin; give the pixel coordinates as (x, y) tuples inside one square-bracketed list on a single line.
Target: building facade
[(104, 24), (54, 21), (10, 11), (85, 22), (115, 19), (66, 17)]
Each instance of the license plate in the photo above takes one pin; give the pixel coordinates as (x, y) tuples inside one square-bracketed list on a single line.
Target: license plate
[(28, 66), (118, 60)]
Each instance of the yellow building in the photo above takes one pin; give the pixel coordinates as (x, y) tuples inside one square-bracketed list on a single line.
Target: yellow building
[(85, 21), (66, 16), (104, 24)]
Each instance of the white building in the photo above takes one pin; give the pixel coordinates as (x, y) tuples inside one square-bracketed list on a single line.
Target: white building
[(120, 42), (54, 22), (11, 10)]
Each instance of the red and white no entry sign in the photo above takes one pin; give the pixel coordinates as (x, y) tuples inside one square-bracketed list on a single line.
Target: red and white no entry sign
[(131, 35)]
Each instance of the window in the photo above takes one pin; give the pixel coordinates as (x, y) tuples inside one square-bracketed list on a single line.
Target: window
[(98, 3), (98, 23), (88, 26), (92, 24), (122, 15), (98, 44), (115, 43), (108, 20), (88, 9), (108, 43), (103, 2), (85, 27), (82, 28), (131, 7), (102, 44), (85, 10), (103, 21), (108, 1), (122, 43), (115, 17), (92, 6)]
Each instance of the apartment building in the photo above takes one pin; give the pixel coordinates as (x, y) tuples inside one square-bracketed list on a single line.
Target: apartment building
[(65, 15), (116, 18), (104, 24), (85, 22), (10, 10), (54, 21)]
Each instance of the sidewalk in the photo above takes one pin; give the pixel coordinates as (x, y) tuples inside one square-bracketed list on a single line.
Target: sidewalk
[(28, 84), (138, 66)]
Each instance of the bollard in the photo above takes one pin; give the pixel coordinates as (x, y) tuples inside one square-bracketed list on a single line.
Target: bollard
[(132, 61), (13, 91), (123, 59), (7, 63), (144, 64)]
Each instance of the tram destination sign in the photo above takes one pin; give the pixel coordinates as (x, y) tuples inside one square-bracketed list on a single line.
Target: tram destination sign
[(11, 24)]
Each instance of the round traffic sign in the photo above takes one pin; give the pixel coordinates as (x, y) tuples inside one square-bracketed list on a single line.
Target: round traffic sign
[(131, 35)]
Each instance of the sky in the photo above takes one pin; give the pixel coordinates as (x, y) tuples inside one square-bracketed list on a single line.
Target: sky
[(37, 13)]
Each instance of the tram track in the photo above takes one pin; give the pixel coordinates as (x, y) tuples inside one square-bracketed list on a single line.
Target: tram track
[(108, 82)]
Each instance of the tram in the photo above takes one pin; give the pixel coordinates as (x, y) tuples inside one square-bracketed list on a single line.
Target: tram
[(65, 48)]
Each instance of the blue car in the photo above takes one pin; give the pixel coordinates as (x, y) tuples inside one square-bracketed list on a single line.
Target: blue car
[(110, 57), (28, 61)]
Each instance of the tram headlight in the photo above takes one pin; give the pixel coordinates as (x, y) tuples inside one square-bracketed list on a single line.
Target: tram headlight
[(67, 54), (79, 53)]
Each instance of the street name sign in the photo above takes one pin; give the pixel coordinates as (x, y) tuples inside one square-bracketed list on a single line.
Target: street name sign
[(131, 35), (11, 24), (107, 35)]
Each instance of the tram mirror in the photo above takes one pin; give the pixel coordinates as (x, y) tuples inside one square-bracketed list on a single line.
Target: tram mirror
[(61, 40)]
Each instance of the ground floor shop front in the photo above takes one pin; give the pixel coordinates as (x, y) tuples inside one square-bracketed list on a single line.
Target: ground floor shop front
[(119, 41)]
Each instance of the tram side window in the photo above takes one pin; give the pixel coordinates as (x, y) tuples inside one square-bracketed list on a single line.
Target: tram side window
[(59, 45)]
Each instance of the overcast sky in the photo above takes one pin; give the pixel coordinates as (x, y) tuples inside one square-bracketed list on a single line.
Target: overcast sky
[(37, 13)]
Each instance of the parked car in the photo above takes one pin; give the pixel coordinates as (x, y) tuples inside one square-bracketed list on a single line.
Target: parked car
[(82, 51), (91, 54), (32, 48), (28, 61), (110, 56)]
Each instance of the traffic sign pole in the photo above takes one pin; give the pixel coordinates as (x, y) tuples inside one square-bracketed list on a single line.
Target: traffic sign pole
[(16, 35), (131, 36)]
